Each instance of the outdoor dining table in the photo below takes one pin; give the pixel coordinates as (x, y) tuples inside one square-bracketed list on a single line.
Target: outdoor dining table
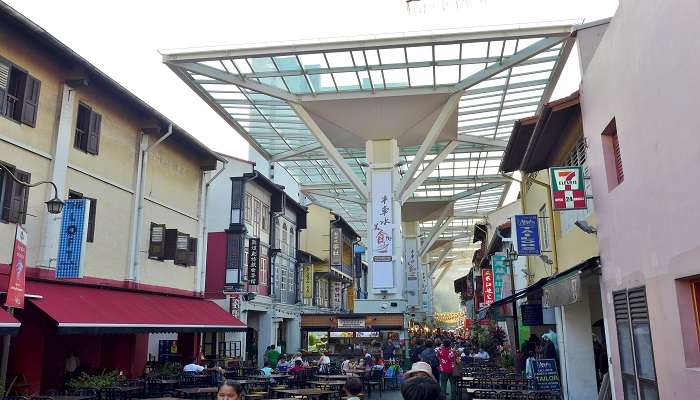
[(472, 391), (306, 393), (328, 383), (212, 389), (334, 377), (71, 397)]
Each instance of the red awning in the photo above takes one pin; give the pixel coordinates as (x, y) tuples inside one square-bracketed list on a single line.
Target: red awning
[(8, 324), (83, 309)]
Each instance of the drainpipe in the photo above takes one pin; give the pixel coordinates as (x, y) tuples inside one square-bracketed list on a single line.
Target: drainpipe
[(203, 231), (137, 220)]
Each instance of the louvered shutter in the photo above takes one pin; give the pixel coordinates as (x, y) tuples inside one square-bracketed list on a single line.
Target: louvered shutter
[(18, 198), (91, 220), (170, 244), (192, 252), (156, 245), (30, 104), (182, 248), (93, 138), (618, 159), (4, 82)]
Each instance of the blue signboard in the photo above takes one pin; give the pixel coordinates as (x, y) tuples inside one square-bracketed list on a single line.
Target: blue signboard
[(546, 375), (527, 234), (71, 242), (531, 314)]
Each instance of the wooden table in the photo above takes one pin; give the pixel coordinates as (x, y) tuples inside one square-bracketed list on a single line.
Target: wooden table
[(337, 376), (470, 392), (71, 397), (306, 393), (212, 389), (329, 383)]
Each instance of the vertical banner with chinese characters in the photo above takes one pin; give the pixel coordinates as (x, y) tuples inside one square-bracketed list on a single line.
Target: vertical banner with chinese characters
[(236, 305), (336, 247), (308, 284), (411, 262), (568, 191), (500, 270), (351, 298), (527, 234), (336, 295), (72, 238), (382, 230), (487, 284), (15, 287), (253, 261)]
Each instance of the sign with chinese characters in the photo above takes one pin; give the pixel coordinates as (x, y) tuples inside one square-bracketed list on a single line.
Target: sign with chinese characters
[(15, 287), (382, 230), (236, 305), (527, 234), (336, 295), (253, 261), (487, 284), (336, 247), (308, 281), (500, 270), (351, 298), (355, 323), (568, 191), (411, 259), (72, 237)]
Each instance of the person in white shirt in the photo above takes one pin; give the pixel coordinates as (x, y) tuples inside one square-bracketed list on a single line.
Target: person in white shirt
[(72, 363), (324, 363), (193, 367), (482, 355), (345, 366)]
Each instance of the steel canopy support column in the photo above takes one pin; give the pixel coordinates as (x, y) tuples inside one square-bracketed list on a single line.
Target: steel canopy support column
[(330, 149)]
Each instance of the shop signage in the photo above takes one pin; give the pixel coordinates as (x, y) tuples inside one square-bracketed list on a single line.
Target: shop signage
[(236, 305), (336, 247), (500, 270), (308, 278), (72, 237), (568, 191), (546, 376), (336, 295), (527, 234), (382, 230), (15, 287), (411, 259), (487, 284), (562, 292), (351, 298), (253, 261), (531, 314), (354, 323)]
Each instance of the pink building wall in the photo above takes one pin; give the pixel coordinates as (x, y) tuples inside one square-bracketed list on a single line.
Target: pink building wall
[(646, 74)]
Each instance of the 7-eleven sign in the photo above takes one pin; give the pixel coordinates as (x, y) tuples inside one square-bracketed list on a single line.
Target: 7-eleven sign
[(568, 192)]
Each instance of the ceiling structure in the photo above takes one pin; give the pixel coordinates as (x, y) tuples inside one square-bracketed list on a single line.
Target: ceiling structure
[(450, 99)]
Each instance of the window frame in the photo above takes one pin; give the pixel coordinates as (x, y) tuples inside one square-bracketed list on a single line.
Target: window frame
[(81, 140), (248, 205), (542, 219), (22, 98), (265, 218), (92, 216), (612, 155), (256, 217)]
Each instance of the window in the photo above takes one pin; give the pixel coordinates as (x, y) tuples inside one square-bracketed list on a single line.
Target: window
[(91, 216), (176, 246), (87, 130), (695, 290), (277, 233), (292, 242), (14, 197), (635, 345), (236, 200), (19, 94), (248, 206), (542, 217), (263, 271), (264, 218), (156, 243), (612, 156)]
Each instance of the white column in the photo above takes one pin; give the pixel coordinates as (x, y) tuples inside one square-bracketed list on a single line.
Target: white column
[(293, 334), (578, 365), (264, 335), (59, 167), (386, 278), (412, 263)]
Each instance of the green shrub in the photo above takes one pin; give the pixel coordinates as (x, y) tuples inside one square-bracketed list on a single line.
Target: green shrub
[(102, 380)]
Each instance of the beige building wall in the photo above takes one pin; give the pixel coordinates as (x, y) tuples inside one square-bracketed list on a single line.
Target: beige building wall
[(314, 239)]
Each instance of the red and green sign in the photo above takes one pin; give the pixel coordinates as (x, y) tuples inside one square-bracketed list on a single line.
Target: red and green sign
[(568, 191)]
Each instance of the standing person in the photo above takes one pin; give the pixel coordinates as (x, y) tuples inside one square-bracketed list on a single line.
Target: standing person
[(428, 355), (417, 349), (447, 358), (388, 350), (273, 355), (324, 363), (421, 388)]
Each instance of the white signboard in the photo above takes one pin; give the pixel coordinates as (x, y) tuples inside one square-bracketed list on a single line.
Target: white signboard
[(336, 295), (412, 265), (382, 230), (356, 323)]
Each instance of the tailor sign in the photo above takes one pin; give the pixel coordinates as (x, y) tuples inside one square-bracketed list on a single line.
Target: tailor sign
[(568, 191), (72, 237), (527, 234), (15, 287), (382, 230)]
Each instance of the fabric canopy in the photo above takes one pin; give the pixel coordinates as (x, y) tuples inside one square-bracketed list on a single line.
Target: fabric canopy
[(8, 324), (83, 309)]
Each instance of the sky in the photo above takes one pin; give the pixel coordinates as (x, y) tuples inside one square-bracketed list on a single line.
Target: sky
[(122, 38)]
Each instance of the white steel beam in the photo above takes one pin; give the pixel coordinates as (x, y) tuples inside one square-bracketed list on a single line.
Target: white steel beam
[(236, 80), (474, 191), (414, 183), (568, 44), (333, 155), (336, 197), (508, 62), (435, 233), (445, 112), (501, 144), (440, 260), (447, 180), (296, 152), (442, 273)]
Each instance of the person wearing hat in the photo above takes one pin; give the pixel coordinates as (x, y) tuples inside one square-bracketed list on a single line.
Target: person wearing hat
[(421, 388), (420, 368)]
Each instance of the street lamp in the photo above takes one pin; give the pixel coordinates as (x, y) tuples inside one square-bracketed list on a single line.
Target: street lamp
[(53, 206)]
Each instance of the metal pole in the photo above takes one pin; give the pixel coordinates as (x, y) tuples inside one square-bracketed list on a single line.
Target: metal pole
[(516, 329), (5, 352)]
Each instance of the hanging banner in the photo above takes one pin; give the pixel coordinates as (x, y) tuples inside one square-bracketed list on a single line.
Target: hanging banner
[(411, 258), (236, 305), (382, 230), (351, 298), (336, 295), (72, 238), (336, 247), (527, 235), (308, 281), (15, 287), (253, 261), (568, 191), (500, 270), (487, 284)]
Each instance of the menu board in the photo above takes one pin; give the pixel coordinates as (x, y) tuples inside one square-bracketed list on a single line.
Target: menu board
[(341, 334)]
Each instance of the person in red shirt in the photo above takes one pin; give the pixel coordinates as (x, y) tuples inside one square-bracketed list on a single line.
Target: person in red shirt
[(446, 365)]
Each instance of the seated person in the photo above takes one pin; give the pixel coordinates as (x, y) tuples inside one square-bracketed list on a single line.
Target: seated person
[(346, 365), (282, 364), (353, 388), (298, 368), (421, 388), (419, 369), (266, 369), (192, 367)]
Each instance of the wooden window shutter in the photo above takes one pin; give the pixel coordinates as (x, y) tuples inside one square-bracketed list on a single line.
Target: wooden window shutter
[(182, 248), (192, 252), (91, 220), (93, 138), (618, 159), (170, 244), (4, 82), (620, 304), (30, 105), (156, 244), (637, 299), (18, 198)]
